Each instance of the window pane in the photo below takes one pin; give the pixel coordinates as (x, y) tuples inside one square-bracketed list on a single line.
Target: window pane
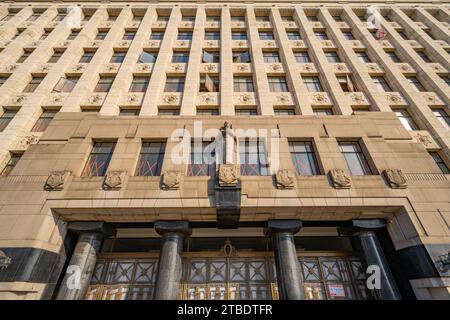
[(202, 159), (148, 57), (278, 84), (303, 158), (6, 118), (139, 84), (174, 84), (302, 57), (44, 120), (243, 84), (151, 159), (104, 84), (99, 159), (15, 157), (356, 161)]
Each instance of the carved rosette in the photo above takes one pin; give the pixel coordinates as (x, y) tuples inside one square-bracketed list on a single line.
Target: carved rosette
[(395, 178), (95, 99), (283, 98), (320, 98), (275, 67), (229, 174), (28, 140), (114, 180), (423, 139), (208, 99), (19, 99), (5, 261), (393, 98), (357, 98), (245, 98), (56, 180), (210, 67), (431, 98), (171, 179), (308, 67), (285, 179), (78, 67), (170, 99), (340, 179)]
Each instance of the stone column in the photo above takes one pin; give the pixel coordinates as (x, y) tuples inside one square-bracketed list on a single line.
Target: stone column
[(290, 282), (365, 240), (82, 263), (170, 265)]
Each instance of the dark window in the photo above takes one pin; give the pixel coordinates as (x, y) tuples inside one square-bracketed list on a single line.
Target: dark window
[(118, 57), (209, 84), (44, 120), (263, 19), (363, 57), (3, 80), (403, 35), (243, 84), (348, 35), (278, 84), (211, 56), (332, 57), (302, 57), (381, 84), (184, 36), (207, 112), (440, 162), (24, 56), (445, 78), (321, 35), (405, 118), (252, 157), (129, 112), (313, 84), (355, 158), (202, 159), (99, 159), (66, 84), (293, 35), (323, 112), (174, 84), (74, 33), (157, 35), (416, 84), (180, 57), (87, 56), (346, 83), (139, 84), (212, 35), (151, 159), (34, 83), (245, 112), (6, 118), (239, 35), (303, 158), (168, 112), (287, 18), (424, 56), (59, 17), (241, 56), (56, 56), (104, 84), (284, 111), (442, 116), (266, 35), (312, 18), (15, 157), (393, 56), (188, 18), (148, 57), (271, 56), (129, 35), (45, 34), (101, 35)]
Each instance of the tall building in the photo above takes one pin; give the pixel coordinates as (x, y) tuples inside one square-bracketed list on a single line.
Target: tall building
[(224, 150)]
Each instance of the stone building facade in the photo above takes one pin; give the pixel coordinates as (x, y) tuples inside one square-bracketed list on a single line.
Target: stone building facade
[(348, 178)]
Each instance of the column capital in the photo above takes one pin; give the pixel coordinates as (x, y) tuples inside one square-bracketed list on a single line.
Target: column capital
[(276, 226), (103, 228), (362, 225), (163, 227)]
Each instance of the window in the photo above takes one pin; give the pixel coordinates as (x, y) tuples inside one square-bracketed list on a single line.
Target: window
[(403, 35), (212, 35), (101, 35), (313, 84), (239, 35), (59, 17), (163, 18), (24, 56), (293, 35), (332, 57), (346, 83), (148, 57), (303, 158), (168, 112), (348, 35), (44, 120), (104, 84), (445, 78), (137, 18), (207, 112), (312, 18), (243, 84), (184, 36), (129, 35), (45, 34), (151, 159), (415, 83), (278, 84), (393, 56), (6, 118), (202, 159), (157, 35), (188, 18), (356, 161), (118, 56), (174, 84), (87, 56), (129, 112), (34, 83), (66, 84), (18, 33), (363, 57), (406, 120), (252, 156), (241, 56), (15, 157), (211, 56), (56, 55), (3, 80), (323, 112), (442, 116), (245, 112), (440, 162), (212, 19), (87, 17), (112, 18), (266, 35), (287, 18), (99, 159), (9, 16), (302, 57), (263, 19), (337, 18), (424, 56), (91, 109), (209, 84), (381, 84), (74, 33), (321, 35), (284, 111), (139, 84), (238, 19), (180, 57), (271, 56)]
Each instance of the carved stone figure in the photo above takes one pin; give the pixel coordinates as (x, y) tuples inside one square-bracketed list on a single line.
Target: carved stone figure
[(56, 180), (340, 179), (285, 179), (395, 178), (229, 174), (114, 179), (171, 179), (5, 261)]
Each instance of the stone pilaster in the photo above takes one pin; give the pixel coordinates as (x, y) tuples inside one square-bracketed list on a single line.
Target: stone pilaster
[(226, 65)]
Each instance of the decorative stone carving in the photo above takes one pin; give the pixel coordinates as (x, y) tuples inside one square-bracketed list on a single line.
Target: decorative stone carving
[(308, 67), (124, 43), (57, 99), (283, 98), (210, 44), (245, 98), (270, 44), (111, 67), (19, 99), (340, 67), (182, 43), (28, 140), (94, 99), (320, 98), (373, 68), (327, 43), (210, 67), (95, 43), (45, 68), (114, 180), (394, 98), (241, 43), (285, 179), (275, 67), (171, 179), (229, 174), (11, 68), (242, 67), (132, 98), (78, 67), (144, 67), (177, 67), (431, 98), (340, 179), (299, 44), (5, 261), (386, 43), (56, 180), (208, 98), (170, 99), (395, 178), (424, 139), (357, 98), (153, 43)]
